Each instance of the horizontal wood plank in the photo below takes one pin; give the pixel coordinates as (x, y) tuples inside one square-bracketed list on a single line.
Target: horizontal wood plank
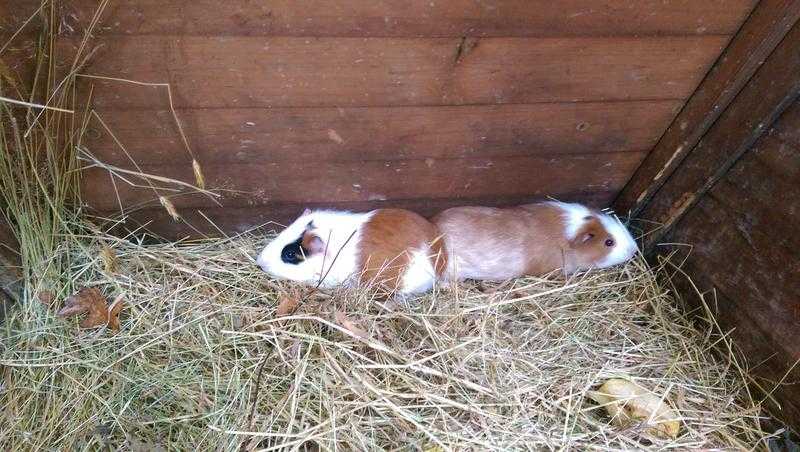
[(247, 72), (391, 18), (759, 36), (272, 216), (374, 180), (380, 133)]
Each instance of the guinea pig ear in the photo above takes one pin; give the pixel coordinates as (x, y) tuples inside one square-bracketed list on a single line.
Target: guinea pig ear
[(307, 211), (312, 243), (590, 229)]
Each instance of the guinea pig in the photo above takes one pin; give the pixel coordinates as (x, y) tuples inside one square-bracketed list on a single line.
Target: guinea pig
[(497, 244), (394, 248)]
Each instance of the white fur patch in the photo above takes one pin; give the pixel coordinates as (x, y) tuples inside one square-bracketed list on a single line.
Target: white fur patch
[(480, 262), (420, 274), (334, 228), (624, 244), (574, 215)]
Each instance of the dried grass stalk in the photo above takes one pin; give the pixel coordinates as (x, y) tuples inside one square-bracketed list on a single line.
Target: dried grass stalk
[(198, 174), (473, 367), (170, 208)]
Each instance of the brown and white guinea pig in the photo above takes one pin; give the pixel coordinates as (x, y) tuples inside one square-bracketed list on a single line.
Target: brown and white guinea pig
[(496, 244), (394, 248)]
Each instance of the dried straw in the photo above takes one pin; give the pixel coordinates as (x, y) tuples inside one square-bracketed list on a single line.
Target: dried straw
[(472, 367)]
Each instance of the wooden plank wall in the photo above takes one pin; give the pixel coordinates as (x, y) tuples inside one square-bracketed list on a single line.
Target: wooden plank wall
[(731, 205), (764, 29), (744, 255), (420, 104)]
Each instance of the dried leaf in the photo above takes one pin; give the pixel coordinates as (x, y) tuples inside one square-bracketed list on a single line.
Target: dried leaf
[(198, 174), (171, 210), (90, 300), (349, 325), (287, 304), (109, 258), (334, 136), (626, 403), (72, 308), (46, 297), (113, 313)]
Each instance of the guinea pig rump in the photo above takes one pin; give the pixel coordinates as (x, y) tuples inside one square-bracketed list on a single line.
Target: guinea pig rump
[(393, 242)]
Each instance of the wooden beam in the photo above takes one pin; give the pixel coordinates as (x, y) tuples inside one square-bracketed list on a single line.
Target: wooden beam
[(771, 90), (759, 35), (319, 135), (263, 183), (359, 18), (254, 72)]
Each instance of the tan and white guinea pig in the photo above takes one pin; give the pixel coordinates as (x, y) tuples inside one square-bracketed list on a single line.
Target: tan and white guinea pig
[(394, 248), (497, 244)]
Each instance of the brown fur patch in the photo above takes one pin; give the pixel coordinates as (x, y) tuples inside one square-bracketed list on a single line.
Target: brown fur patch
[(313, 244), (497, 244), (546, 245), (438, 253), (589, 243), (386, 243)]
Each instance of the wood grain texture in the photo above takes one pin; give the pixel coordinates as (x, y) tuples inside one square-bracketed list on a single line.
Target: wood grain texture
[(745, 244), (13, 14), (392, 18), (754, 339), (246, 184), (381, 133), (758, 37), (771, 90), (786, 130), (272, 216), (248, 72)]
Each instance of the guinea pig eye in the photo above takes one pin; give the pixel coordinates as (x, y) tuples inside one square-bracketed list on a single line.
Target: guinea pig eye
[(609, 242), (291, 254)]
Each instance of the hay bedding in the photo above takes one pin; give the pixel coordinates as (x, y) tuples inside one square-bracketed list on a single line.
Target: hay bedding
[(202, 362)]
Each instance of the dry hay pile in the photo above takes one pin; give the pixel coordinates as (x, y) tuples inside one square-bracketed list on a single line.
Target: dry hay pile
[(203, 362)]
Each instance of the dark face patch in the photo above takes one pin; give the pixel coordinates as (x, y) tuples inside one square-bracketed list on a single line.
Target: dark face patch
[(294, 253)]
